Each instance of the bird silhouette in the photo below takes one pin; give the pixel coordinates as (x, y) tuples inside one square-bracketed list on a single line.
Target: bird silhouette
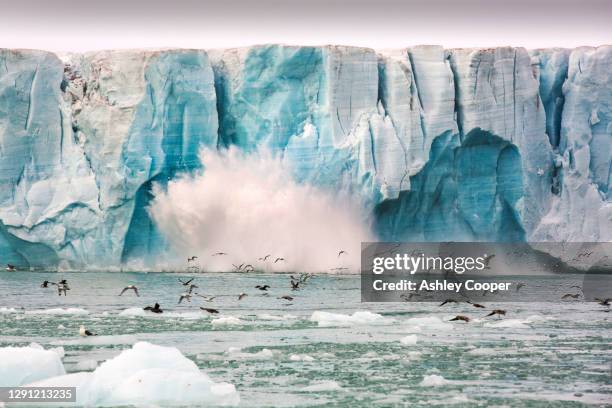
[(155, 308), (460, 317), (498, 312), (186, 283)]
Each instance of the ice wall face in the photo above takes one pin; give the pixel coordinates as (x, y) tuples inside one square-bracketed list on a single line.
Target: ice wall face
[(486, 144), (82, 141), (582, 206)]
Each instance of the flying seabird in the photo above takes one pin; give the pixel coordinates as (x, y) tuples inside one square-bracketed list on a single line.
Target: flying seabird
[(191, 288), (206, 298), (498, 312), (265, 258), (460, 317), (62, 287), (478, 305), (238, 267), (342, 252), (191, 259), (155, 309), (570, 296), (46, 283), (603, 302), (576, 286), (519, 286), (63, 282), (279, 259), (187, 282), (286, 297), (130, 287), (10, 268), (185, 296), (211, 311), (264, 287), (242, 296), (219, 253), (447, 301), (85, 333), (295, 285)]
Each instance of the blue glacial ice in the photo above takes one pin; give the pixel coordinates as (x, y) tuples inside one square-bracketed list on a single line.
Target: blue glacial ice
[(439, 144)]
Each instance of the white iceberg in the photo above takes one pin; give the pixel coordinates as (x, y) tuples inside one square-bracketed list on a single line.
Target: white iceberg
[(263, 354), (22, 365), (227, 321), (433, 380), (427, 323), (58, 311), (301, 357), (146, 375), (327, 319), (409, 340)]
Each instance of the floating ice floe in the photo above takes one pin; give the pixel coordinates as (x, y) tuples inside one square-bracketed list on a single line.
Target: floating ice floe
[(431, 323), (22, 365), (146, 375), (58, 311), (327, 319), (266, 316), (409, 340), (301, 357), (237, 353), (323, 386), (86, 365), (433, 380), (226, 321)]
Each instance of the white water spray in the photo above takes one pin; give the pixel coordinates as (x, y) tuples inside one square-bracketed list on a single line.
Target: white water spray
[(249, 206)]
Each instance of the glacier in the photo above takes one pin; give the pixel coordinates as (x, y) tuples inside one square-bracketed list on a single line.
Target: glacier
[(498, 144)]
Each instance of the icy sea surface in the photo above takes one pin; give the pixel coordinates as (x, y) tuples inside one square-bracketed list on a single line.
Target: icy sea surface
[(325, 347)]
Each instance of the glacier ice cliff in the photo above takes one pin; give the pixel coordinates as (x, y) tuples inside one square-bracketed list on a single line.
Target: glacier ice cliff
[(498, 144)]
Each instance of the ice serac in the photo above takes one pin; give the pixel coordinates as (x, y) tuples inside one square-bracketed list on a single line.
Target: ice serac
[(582, 208), (83, 141), (461, 144)]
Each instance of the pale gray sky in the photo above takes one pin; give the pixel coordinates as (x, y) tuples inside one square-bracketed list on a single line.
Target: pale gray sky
[(73, 25)]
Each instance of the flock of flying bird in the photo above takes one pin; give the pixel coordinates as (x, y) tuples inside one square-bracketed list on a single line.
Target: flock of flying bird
[(189, 287), (295, 283), (501, 312)]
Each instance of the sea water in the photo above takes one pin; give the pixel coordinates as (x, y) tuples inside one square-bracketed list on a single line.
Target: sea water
[(324, 346)]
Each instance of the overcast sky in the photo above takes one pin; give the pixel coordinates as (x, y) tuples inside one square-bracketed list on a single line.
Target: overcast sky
[(73, 25)]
